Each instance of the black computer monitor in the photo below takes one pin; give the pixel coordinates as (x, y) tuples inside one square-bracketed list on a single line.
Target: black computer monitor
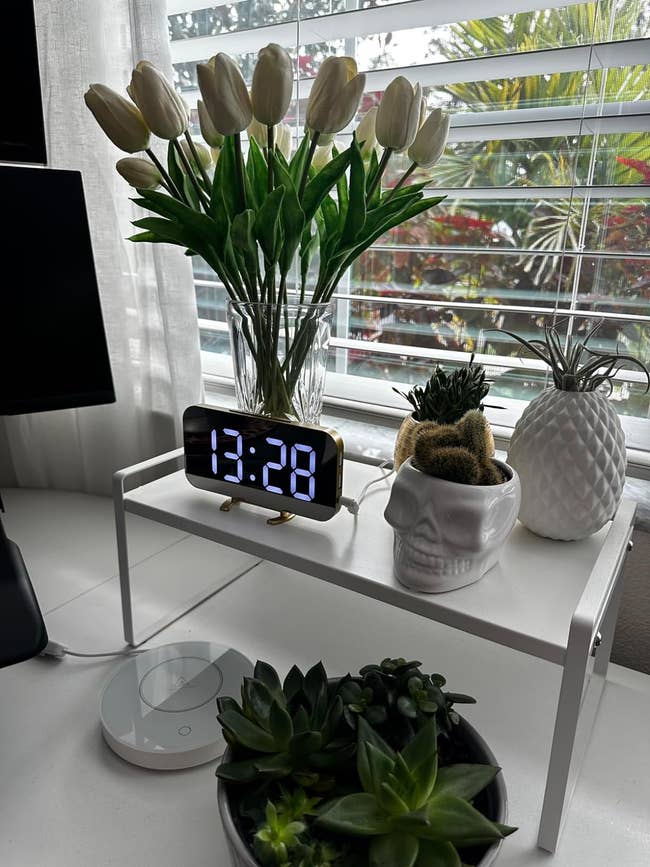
[(22, 137), (53, 352)]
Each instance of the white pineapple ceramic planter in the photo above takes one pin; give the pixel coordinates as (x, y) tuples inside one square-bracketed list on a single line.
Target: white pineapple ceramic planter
[(569, 450)]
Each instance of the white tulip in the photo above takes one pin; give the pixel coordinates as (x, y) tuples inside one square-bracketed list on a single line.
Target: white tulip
[(225, 94), (162, 108), (120, 119), (205, 157), (430, 142), (281, 136), (138, 172), (365, 132), (335, 95), (209, 133), (272, 85), (283, 140), (399, 114), (322, 156)]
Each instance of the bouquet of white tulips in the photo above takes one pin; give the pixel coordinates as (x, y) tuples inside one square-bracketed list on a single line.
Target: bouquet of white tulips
[(255, 219)]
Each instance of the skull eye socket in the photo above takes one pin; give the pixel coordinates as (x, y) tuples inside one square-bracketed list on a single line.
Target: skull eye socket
[(402, 509)]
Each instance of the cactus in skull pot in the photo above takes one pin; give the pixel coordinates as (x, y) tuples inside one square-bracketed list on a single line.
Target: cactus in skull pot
[(461, 452)]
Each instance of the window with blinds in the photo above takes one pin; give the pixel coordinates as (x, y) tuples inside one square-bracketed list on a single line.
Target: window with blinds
[(546, 173)]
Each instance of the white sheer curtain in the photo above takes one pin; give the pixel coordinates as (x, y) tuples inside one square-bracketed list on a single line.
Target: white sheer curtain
[(147, 294)]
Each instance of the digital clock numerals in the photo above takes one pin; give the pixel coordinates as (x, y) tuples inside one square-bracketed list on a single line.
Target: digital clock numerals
[(302, 465)]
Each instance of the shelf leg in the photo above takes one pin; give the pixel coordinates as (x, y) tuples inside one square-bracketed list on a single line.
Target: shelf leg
[(123, 559), (578, 703)]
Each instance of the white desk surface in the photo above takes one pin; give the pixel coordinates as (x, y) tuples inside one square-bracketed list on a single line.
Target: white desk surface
[(67, 801), (526, 601)]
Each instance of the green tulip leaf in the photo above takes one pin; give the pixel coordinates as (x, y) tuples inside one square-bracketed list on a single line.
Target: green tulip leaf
[(322, 183), (464, 781), (267, 224), (257, 173), (394, 850), (357, 814), (176, 173), (356, 211), (298, 160)]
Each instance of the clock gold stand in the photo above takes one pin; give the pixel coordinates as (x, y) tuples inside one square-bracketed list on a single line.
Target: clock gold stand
[(282, 518)]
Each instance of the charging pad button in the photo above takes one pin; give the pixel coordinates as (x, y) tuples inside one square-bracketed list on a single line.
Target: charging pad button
[(181, 684)]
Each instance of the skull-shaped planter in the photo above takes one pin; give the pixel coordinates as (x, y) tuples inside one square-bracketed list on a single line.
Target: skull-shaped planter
[(448, 534)]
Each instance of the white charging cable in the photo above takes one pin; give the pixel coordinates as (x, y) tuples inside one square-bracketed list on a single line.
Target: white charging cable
[(57, 650), (353, 504)]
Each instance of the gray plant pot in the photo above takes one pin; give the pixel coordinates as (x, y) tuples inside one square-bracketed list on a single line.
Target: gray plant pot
[(241, 856)]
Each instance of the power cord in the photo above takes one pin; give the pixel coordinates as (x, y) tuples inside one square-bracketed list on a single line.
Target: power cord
[(353, 504), (57, 651)]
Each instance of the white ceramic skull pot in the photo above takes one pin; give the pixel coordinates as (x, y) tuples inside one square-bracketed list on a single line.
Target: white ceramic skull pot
[(447, 534)]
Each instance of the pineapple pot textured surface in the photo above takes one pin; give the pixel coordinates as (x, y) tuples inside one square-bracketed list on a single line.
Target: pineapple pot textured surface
[(569, 450)]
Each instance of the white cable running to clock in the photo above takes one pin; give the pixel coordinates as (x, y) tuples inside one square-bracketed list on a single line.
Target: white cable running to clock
[(352, 505)]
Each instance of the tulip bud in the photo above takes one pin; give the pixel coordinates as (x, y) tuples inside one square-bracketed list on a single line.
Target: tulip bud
[(335, 95), (283, 140), (163, 109), (138, 172), (431, 139), (423, 112), (225, 94), (365, 132), (281, 136), (120, 119), (259, 132), (322, 156), (272, 85), (209, 133), (399, 114), (205, 157)]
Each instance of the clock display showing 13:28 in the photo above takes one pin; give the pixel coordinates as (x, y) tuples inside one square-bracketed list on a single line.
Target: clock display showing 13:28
[(281, 458)]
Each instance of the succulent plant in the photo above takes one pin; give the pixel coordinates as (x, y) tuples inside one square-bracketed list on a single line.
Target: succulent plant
[(576, 367), (446, 397), (280, 730), (397, 699), (282, 838), (459, 453), (414, 812)]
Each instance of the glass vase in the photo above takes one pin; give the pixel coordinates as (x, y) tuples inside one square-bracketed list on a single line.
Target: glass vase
[(279, 355)]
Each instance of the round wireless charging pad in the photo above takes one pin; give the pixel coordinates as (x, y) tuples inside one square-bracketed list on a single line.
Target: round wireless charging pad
[(159, 709)]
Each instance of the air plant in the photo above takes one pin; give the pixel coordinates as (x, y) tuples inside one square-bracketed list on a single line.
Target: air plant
[(577, 367)]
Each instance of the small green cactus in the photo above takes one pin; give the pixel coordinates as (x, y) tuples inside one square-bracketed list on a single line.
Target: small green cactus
[(458, 453)]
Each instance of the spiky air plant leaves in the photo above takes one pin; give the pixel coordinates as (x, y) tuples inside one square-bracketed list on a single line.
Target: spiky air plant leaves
[(446, 397), (285, 730), (415, 814), (574, 365)]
